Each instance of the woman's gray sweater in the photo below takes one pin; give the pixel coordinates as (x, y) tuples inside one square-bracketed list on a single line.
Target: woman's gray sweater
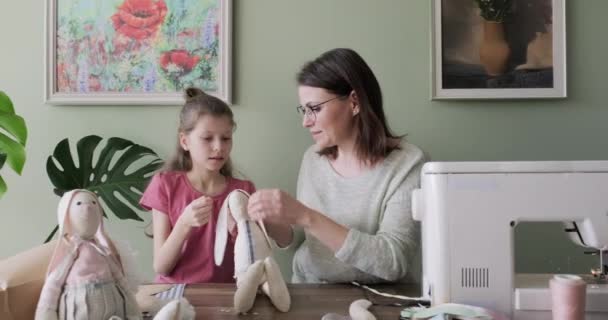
[(383, 240)]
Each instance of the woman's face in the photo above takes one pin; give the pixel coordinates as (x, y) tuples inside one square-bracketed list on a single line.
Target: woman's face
[(329, 117)]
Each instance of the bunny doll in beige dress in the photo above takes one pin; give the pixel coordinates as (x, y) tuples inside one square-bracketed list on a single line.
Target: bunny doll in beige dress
[(86, 277)]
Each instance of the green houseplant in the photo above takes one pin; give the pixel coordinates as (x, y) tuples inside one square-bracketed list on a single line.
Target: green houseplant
[(118, 175), (494, 10), (13, 137)]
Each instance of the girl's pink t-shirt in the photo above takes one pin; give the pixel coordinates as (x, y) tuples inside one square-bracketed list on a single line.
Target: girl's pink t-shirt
[(170, 192)]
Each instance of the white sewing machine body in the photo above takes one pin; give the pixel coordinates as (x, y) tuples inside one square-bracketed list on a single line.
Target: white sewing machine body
[(468, 212)]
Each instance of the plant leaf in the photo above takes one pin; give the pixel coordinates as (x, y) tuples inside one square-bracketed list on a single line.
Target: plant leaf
[(14, 125), (50, 236), (15, 152), (66, 179), (6, 105), (2, 159), (11, 150), (2, 187), (116, 188)]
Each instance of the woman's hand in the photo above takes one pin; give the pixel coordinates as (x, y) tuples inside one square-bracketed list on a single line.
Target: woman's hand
[(277, 206), (197, 213)]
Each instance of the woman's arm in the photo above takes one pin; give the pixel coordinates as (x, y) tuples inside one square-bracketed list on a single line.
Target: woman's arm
[(326, 230), (387, 254), (167, 243), (390, 252), (279, 210)]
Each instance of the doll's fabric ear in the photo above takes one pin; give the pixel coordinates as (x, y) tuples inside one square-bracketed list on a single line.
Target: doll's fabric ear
[(247, 286), (62, 247), (62, 212), (275, 287), (59, 253), (359, 310), (221, 233)]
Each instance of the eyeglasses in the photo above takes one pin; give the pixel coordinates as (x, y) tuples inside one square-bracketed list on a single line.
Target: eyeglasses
[(311, 111)]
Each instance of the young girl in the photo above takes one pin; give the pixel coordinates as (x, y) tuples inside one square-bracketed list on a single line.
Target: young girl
[(186, 196)]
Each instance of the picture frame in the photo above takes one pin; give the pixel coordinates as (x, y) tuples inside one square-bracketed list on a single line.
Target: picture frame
[(126, 52), (466, 62)]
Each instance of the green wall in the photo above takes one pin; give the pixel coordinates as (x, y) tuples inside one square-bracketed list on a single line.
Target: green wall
[(272, 39)]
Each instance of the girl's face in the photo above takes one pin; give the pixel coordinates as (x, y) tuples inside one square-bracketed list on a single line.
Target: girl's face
[(329, 123), (209, 143)]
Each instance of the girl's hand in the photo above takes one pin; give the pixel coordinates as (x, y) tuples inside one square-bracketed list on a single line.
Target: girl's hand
[(197, 213), (277, 206)]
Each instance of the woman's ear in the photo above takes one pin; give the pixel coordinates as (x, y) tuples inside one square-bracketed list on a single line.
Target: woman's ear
[(183, 141), (354, 102)]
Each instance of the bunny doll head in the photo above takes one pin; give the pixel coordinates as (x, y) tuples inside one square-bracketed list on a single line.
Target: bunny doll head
[(84, 216), (79, 215)]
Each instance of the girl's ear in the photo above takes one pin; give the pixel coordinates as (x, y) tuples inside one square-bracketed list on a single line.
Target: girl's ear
[(354, 99), (183, 141)]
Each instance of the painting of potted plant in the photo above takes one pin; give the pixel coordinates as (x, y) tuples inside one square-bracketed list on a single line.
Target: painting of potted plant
[(494, 50), (498, 49), (12, 140)]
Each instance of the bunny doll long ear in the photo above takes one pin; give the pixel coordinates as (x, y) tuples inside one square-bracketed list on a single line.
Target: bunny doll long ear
[(62, 247), (275, 287), (221, 233)]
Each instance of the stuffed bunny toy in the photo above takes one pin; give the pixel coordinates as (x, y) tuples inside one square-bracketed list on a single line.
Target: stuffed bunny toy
[(86, 277), (254, 265)]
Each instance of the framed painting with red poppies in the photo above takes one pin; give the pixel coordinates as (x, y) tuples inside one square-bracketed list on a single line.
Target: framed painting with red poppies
[(144, 52)]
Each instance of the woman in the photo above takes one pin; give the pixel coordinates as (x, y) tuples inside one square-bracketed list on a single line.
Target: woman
[(354, 186)]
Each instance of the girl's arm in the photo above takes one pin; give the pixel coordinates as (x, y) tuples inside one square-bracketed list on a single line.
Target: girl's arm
[(167, 243)]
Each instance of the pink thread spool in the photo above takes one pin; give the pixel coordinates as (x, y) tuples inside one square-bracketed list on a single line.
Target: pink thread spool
[(568, 297)]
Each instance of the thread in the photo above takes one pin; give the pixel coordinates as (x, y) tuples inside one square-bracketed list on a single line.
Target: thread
[(568, 294)]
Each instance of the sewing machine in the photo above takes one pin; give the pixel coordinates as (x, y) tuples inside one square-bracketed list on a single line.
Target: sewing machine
[(468, 212)]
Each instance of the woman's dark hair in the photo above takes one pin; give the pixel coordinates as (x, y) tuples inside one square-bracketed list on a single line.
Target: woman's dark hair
[(342, 71), (198, 104)]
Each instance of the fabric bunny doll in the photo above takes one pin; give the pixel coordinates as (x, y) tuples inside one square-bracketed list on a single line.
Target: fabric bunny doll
[(85, 277), (254, 265)]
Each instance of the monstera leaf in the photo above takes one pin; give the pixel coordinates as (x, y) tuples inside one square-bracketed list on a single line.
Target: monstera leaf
[(118, 176), (2, 183), (12, 146)]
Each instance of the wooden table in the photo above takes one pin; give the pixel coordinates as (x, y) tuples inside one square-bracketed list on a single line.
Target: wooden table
[(308, 301)]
